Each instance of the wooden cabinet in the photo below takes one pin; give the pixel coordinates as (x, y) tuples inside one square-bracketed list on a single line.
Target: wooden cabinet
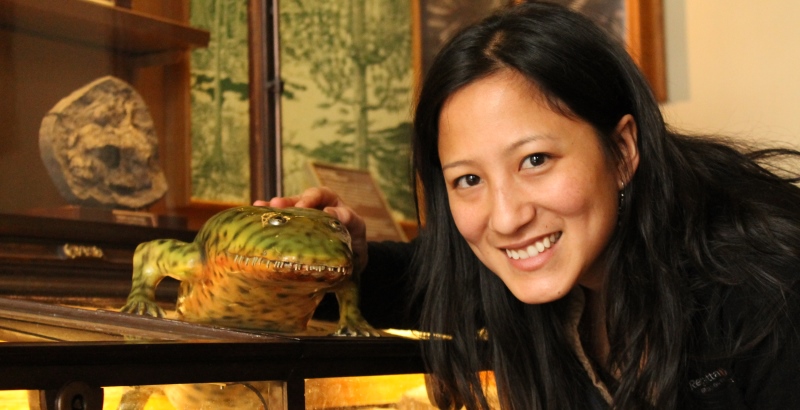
[(124, 31), (309, 371), (50, 48), (64, 271)]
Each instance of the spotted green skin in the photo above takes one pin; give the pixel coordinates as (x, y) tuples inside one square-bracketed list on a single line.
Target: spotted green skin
[(254, 268)]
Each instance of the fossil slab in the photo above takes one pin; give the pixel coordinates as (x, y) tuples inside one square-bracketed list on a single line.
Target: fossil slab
[(100, 147)]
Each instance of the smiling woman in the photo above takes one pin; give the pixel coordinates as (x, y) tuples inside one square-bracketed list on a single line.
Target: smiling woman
[(588, 255), (519, 173)]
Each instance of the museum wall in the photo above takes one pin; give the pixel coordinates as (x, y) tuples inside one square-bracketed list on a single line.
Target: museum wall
[(732, 67)]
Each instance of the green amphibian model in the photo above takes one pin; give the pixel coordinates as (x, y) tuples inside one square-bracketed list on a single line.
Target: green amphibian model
[(255, 268)]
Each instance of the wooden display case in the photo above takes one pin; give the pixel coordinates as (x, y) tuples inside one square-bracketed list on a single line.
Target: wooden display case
[(50, 48), (57, 374), (62, 339), (65, 271)]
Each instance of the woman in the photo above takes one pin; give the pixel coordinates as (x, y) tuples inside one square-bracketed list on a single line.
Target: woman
[(608, 261)]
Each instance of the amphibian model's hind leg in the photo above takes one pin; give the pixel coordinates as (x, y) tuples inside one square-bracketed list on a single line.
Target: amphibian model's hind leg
[(152, 262), (351, 322)]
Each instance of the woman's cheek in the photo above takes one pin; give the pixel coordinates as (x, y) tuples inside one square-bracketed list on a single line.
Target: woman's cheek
[(466, 219), (565, 196)]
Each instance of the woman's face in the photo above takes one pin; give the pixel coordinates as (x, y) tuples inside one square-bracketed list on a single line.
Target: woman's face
[(530, 189)]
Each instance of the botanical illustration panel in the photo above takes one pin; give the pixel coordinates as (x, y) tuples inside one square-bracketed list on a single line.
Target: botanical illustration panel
[(220, 169), (347, 72)]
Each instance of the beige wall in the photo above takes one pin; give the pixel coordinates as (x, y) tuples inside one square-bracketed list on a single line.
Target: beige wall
[(733, 67)]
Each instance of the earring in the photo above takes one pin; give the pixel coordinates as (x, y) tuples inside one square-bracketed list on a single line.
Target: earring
[(621, 205)]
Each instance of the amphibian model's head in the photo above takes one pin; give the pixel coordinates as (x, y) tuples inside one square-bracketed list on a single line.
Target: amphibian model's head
[(272, 244), (255, 268)]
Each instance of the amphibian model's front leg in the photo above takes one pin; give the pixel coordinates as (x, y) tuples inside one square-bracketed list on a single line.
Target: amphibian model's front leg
[(351, 322), (152, 262)]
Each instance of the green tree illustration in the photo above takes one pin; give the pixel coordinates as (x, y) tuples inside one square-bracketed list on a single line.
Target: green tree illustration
[(393, 164), (220, 103), (358, 53)]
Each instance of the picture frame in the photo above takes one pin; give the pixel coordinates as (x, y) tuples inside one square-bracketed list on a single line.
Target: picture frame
[(642, 28), (640, 25), (435, 21), (645, 42)]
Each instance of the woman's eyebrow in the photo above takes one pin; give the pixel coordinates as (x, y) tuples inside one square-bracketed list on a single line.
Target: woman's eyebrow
[(456, 164), (531, 138), (507, 151)]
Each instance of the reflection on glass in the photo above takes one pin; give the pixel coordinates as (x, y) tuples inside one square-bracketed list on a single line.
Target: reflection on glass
[(403, 392), (27, 321), (51, 50), (391, 391), (210, 396)]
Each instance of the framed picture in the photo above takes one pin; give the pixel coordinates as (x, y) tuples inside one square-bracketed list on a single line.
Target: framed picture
[(436, 21), (640, 25), (645, 40)]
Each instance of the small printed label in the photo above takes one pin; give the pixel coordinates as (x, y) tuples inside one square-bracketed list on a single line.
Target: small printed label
[(711, 381)]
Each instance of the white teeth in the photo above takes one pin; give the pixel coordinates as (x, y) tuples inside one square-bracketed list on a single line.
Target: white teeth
[(534, 249)]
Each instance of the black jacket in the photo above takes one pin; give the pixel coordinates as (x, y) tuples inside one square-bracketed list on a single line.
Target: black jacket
[(757, 380)]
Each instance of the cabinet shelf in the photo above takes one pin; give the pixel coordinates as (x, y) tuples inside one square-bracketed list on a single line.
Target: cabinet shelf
[(98, 25)]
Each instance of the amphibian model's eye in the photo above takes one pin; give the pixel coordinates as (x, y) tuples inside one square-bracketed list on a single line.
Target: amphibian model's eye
[(278, 220), (336, 225)]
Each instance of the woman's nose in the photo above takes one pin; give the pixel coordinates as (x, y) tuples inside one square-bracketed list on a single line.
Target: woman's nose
[(510, 211)]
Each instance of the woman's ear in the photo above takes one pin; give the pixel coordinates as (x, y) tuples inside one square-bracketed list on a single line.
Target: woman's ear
[(626, 136)]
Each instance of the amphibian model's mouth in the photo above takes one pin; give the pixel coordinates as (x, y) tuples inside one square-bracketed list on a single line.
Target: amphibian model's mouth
[(264, 264), (535, 248)]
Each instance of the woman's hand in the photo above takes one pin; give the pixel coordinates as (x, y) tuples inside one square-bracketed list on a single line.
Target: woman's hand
[(326, 199)]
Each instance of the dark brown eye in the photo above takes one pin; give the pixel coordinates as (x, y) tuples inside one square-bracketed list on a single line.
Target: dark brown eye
[(336, 225), (468, 181), (534, 160)]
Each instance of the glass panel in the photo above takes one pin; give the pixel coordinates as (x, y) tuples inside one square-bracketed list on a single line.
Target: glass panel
[(25, 321), (406, 391), (208, 396), (96, 112), (348, 81), (220, 103), (205, 396)]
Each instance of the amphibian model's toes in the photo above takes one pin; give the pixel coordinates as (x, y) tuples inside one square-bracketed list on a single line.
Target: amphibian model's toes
[(367, 331), (143, 308)]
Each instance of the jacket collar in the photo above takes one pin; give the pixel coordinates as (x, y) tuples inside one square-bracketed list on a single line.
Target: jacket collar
[(576, 303)]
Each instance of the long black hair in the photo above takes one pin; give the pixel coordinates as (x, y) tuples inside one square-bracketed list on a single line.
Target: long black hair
[(700, 217)]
